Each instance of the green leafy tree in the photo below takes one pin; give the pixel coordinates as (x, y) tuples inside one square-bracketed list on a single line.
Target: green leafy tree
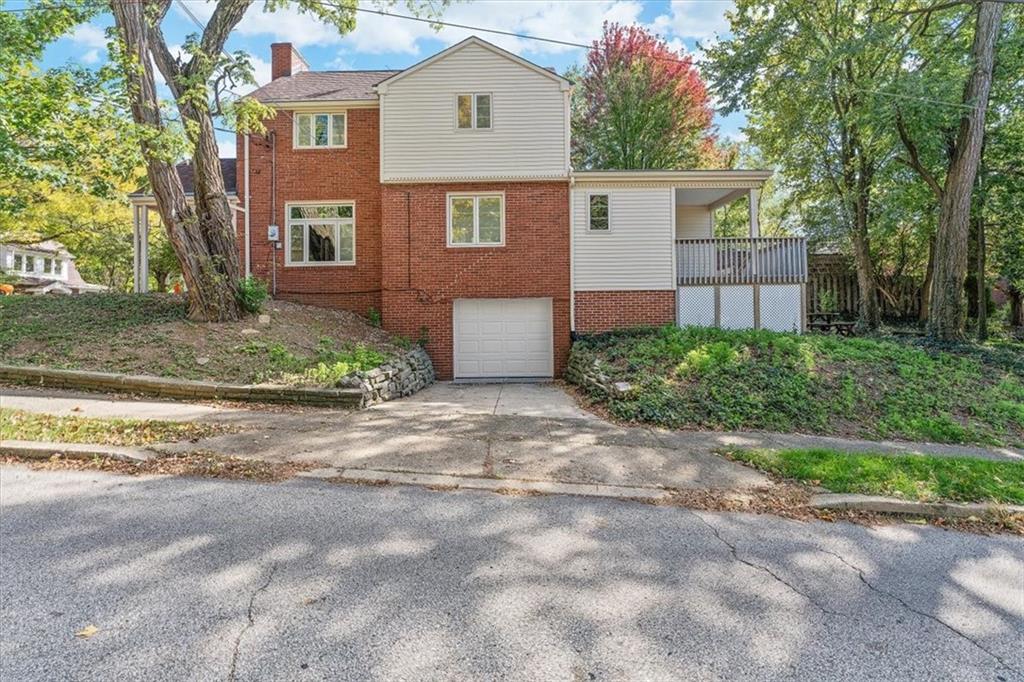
[(63, 128), (639, 104)]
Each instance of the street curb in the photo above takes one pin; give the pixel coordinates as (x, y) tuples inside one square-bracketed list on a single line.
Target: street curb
[(892, 505), (372, 476), (31, 449)]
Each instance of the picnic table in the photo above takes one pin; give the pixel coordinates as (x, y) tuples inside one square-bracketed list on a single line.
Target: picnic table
[(830, 323)]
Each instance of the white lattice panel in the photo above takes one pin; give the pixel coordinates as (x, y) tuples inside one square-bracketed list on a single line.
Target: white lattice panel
[(696, 306), (737, 307), (780, 307)]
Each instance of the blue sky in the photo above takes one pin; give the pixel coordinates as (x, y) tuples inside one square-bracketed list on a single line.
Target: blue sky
[(381, 42)]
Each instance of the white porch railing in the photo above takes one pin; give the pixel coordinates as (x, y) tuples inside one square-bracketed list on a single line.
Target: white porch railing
[(742, 260)]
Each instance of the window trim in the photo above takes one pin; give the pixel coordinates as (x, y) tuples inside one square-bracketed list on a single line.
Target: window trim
[(472, 114), (591, 230), (475, 196), (288, 262), (330, 130)]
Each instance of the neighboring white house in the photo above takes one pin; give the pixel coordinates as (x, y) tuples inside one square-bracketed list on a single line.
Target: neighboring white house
[(44, 268)]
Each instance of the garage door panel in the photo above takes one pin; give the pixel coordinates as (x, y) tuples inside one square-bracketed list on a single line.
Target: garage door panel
[(503, 338)]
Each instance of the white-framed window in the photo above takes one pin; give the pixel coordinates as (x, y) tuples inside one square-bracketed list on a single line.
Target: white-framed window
[(320, 131), (599, 215), (48, 266), (476, 219), (321, 233), (473, 111), (19, 262), (30, 263)]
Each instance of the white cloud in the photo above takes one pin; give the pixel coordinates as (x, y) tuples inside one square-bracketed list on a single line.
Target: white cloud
[(226, 148), (701, 21), (578, 22), (92, 41), (89, 35)]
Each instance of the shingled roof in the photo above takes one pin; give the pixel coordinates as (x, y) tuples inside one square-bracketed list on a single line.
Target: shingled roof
[(313, 86), (185, 171)]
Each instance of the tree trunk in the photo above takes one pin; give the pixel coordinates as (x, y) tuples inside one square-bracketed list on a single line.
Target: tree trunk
[(208, 266), (926, 287), (946, 313), (1016, 308), (869, 315)]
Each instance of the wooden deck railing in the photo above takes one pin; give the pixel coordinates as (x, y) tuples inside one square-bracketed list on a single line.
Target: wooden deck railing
[(743, 260)]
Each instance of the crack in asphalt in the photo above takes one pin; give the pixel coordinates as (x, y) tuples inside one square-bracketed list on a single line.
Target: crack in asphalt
[(923, 614), (765, 569), (251, 621)]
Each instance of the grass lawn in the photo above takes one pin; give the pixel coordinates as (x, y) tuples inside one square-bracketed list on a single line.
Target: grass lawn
[(909, 477), (858, 387), (19, 425), (149, 334)]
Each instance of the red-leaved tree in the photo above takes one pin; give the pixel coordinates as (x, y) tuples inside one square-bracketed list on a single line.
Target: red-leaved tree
[(640, 104)]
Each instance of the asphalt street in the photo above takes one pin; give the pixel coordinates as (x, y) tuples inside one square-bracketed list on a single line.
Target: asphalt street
[(305, 580)]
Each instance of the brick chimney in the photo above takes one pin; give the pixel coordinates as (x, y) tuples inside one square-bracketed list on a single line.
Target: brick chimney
[(285, 60)]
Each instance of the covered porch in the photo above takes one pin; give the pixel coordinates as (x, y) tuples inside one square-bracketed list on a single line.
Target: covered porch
[(656, 230), (735, 282)]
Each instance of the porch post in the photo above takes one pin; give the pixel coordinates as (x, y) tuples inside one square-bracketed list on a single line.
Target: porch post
[(142, 251), (135, 247), (755, 200)]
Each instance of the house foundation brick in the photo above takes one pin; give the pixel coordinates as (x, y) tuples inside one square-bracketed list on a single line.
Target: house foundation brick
[(601, 311), (422, 276)]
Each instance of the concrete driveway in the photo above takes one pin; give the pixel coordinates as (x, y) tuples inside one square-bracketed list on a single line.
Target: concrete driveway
[(532, 432), (515, 431)]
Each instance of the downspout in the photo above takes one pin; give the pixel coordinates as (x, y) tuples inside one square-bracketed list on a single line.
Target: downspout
[(273, 212), (572, 257), (248, 203)]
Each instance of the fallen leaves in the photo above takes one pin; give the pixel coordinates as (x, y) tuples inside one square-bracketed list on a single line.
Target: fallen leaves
[(87, 632)]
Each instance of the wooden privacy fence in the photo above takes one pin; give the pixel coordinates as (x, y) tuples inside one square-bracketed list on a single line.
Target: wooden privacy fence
[(835, 274)]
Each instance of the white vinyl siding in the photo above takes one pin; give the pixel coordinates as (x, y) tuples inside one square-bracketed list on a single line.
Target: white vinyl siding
[(420, 134), (636, 253), (693, 222)]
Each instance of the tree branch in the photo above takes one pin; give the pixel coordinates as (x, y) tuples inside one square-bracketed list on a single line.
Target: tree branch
[(219, 27), (915, 159)]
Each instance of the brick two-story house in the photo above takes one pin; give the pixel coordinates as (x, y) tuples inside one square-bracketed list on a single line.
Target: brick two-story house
[(442, 196)]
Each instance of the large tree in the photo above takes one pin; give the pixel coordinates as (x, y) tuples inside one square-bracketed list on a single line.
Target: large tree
[(202, 232), (61, 129), (640, 104), (962, 148)]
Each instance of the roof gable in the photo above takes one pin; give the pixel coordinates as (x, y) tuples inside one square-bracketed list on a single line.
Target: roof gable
[(382, 86)]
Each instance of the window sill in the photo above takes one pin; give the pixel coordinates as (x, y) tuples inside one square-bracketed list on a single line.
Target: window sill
[(344, 264), (476, 246), (319, 149)]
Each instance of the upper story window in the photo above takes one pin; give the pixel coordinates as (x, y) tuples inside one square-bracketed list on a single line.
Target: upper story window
[(27, 264), (598, 216), (476, 219), (321, 234), (320, 131), (473, 111)]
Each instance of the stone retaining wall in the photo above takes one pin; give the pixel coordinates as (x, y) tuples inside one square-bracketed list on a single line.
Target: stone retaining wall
[(584, 370), (401, 376)]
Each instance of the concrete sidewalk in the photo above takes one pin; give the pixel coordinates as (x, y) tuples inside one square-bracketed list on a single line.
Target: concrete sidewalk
[(532, 432)]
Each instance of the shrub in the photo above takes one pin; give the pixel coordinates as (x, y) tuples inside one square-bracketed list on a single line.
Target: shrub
[(373, 316), (252, 292)]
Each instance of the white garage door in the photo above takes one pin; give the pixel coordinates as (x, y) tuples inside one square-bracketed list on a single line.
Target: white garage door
[(502, 337)]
